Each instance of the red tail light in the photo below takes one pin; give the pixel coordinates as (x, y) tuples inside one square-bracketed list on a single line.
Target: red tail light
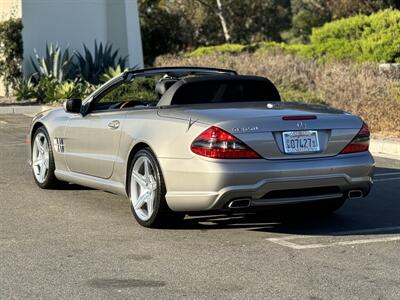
[(360, 143), (217, 143)]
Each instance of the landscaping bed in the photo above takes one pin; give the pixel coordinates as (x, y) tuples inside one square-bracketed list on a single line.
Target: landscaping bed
[(358, 88)]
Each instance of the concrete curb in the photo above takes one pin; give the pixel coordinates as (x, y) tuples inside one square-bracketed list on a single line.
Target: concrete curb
[(22, 109), (385, 147)]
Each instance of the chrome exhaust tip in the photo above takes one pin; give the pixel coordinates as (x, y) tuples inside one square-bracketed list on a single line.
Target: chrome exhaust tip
[(354, 194), (239, 203)]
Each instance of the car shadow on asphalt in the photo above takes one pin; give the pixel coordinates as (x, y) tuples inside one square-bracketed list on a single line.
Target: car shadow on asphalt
[(71, 187), (379, 210)]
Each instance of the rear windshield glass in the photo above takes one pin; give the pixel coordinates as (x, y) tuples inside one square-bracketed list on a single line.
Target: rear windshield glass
[(225, 91)]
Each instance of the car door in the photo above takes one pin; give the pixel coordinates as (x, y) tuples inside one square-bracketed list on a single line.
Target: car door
[(92, 142)]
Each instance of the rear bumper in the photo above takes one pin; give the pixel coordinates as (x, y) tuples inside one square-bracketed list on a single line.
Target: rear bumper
[(199, 184)]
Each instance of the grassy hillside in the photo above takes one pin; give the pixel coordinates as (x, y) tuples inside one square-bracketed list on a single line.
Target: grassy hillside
[(339, 67), (359, 88)]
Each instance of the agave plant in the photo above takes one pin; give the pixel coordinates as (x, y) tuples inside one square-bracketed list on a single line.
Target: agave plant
[(111, 73), (24, 89), (66, 90), (56, 64), (92, 67), (73, 89)]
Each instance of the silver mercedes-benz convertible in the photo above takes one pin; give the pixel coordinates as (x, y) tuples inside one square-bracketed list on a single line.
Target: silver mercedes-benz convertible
[(179, 140)]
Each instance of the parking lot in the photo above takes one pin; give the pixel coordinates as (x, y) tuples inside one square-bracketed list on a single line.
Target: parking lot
[(83, 243)]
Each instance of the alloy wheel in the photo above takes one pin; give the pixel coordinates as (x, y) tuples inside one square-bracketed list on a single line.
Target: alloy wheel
[(40, 157), (143, 188)]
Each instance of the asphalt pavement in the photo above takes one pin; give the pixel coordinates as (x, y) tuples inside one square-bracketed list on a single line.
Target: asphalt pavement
[(84, 243)]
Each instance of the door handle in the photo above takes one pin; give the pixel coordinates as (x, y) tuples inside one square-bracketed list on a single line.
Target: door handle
[(113, 124)]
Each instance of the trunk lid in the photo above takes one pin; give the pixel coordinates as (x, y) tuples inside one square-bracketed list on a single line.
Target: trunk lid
[(261, 125)]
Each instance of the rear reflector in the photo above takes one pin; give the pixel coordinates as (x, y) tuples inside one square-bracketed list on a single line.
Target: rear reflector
[(360, 143), (298, 118), (217, 143)]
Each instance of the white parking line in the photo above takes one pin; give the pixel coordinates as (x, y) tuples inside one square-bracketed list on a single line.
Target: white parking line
[(342, 243), (386, 179), (284, 241), (386, 174), (13, 145)]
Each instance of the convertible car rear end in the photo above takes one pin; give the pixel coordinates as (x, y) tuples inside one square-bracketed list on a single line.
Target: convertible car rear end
[(266, 154), (212, 140)]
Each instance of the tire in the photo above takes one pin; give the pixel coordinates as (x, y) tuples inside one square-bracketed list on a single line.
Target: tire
[(146, 190), (43, 172)]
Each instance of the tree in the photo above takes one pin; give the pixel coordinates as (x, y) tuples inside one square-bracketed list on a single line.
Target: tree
[(248, 21), (346, 8), (11, 49), (307, 14), (205, 23), (163, 31), (218, 11), (259, 20)]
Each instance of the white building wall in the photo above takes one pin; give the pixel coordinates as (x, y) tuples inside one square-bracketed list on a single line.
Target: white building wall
[(70, 23), (10, 9), (133, 34)]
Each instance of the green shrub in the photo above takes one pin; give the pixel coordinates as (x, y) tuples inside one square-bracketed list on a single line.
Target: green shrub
[(11, 51), (267, 47), (65, 90), (24, 89), (224, 48), (139, 89), (111, 73), (45, 90), (50, 90), (374, 38), (69, 90), (275, 48), (262, 47), (84, 89)]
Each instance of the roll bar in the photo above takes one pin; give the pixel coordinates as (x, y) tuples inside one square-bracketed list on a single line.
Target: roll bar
[(176, 72)]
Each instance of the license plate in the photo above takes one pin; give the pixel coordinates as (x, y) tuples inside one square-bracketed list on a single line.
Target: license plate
[(300, 141)]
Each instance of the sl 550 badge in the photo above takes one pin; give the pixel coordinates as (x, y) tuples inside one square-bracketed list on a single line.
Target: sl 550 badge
[(245, 129)]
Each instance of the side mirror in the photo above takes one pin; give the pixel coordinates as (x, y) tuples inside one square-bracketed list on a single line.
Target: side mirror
[(73, 106)]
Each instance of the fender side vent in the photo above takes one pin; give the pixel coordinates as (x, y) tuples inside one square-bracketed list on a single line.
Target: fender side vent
[(59, 145)]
